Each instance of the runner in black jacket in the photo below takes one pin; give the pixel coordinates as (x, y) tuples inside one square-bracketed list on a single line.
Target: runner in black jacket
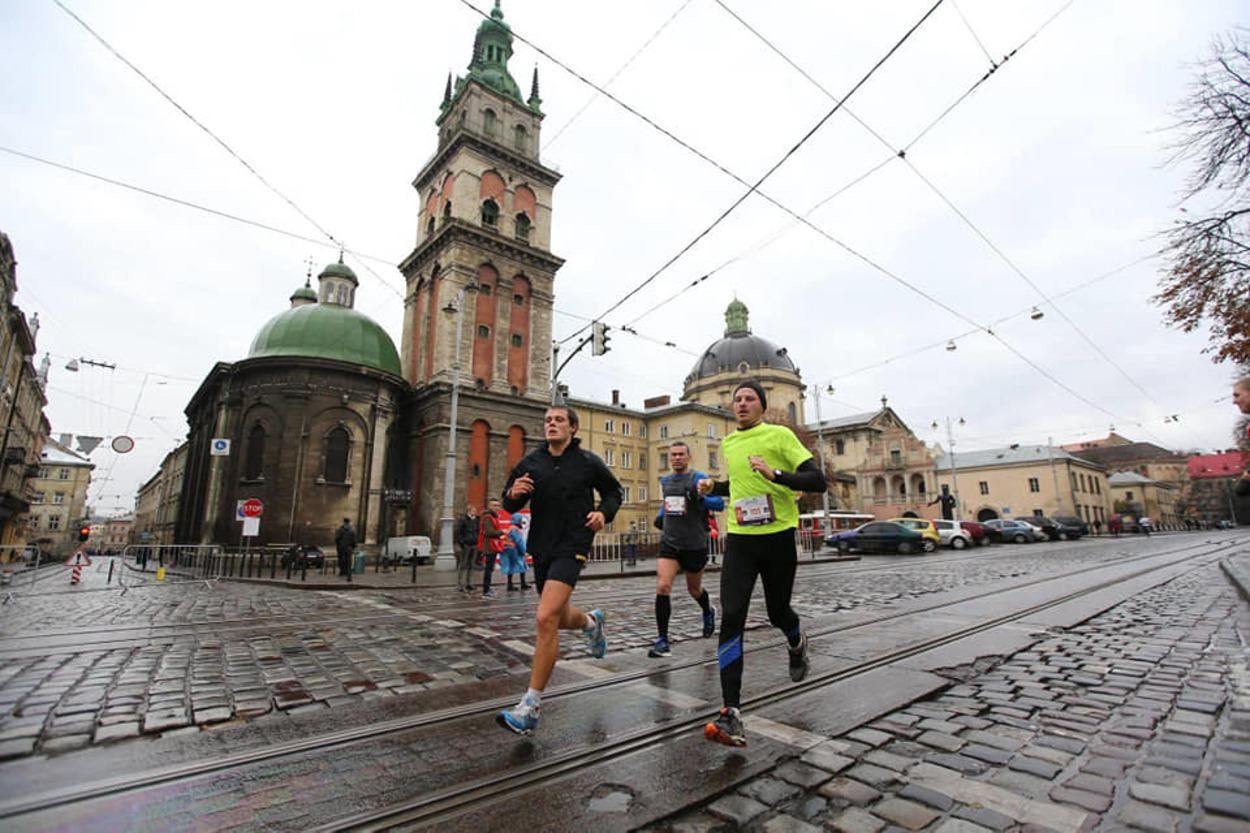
[(558, 481)]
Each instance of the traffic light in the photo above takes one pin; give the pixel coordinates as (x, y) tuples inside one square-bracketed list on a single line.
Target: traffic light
[(84, 532), (599, 338)]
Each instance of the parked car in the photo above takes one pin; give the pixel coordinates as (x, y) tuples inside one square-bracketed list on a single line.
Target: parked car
[(1072, 526), (980, 535), (1034, 522), (297, 557), (953, 535), (888, 536), (842, 540), (1020, 533), (1055, 529), (925, 527)]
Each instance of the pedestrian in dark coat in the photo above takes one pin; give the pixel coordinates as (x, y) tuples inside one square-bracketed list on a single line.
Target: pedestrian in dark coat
[(345, 545)]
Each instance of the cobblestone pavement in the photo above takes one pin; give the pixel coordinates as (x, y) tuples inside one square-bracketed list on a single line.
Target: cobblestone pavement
[(181, 656), (1138, 719)]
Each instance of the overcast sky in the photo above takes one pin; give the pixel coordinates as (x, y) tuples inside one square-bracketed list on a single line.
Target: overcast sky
[(1058, 160)]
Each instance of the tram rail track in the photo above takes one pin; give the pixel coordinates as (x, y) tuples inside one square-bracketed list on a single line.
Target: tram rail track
[(448, 801), (148, 634)]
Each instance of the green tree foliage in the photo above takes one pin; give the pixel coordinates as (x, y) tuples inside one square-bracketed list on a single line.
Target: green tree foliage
[(1208, 275)]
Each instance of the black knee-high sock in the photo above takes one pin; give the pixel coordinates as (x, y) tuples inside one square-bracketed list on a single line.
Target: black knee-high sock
[(663, 611), (704, 602)]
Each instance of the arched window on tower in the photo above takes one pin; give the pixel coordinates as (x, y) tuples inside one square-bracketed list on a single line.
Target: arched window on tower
[(490, 214), (446, 212), (519, 137), (522, 227), (338, 450), (429, 228), (490, 125), (792, 414), (254, 468)]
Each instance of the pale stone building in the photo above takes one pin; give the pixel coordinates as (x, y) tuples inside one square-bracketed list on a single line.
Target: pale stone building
[(1138, 495), (59, 498), (881, 467), (1026, 480)]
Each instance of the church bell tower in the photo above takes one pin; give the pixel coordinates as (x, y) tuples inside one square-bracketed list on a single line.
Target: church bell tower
[(484, 223)]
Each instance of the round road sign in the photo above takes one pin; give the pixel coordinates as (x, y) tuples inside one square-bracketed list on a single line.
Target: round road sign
[(252, 508), (123, 444)]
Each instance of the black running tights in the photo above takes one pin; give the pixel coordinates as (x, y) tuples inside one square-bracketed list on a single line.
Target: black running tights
[(773, 559)]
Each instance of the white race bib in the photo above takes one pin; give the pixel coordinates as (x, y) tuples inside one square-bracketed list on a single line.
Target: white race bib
[(754, 511), (674, 504)]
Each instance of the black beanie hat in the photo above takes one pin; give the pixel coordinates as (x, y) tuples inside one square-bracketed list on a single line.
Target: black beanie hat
[(755, 386)]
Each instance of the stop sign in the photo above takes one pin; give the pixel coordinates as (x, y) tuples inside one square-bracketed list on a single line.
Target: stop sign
[(252, 508)]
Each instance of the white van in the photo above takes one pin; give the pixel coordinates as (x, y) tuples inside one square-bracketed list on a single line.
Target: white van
[(403, 549)]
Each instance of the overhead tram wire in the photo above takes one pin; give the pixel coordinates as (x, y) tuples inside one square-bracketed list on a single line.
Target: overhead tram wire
[(225, 215), (752, 188), (862, 257), (221, 142), (616, 74), (803, 220), (194, 120), (973, 32), (947, 200)]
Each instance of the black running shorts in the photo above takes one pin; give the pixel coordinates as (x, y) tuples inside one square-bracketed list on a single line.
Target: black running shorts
[(563, 569), (692, 561)]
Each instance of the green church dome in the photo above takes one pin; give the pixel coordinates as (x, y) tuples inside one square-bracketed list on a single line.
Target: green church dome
[(327, 331)]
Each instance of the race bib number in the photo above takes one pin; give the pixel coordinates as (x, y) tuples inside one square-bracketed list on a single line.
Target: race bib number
[(675, 505), (754, 511)]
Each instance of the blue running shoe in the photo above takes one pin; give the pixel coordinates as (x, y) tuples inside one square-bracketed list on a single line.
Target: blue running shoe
[(660, 649), (594, 636), (709, 622), (521, 718)]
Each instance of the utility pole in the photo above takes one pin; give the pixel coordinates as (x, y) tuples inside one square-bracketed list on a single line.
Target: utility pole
[(820, 451)]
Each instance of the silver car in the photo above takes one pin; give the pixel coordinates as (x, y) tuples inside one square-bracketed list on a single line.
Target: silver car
[(953, 535)]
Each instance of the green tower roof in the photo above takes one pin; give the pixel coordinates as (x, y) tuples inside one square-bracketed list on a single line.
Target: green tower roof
[(338, 270), (305, 292), (327, 331), (491, 50)]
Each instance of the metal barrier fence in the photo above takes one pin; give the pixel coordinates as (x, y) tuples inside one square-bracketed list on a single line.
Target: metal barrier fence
[(213, 561)]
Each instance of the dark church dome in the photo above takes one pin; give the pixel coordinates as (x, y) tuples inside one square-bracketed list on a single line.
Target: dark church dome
[(739, 351)]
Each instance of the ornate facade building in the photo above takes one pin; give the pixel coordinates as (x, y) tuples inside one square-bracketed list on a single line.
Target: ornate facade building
[(23, 399), (58, 498)]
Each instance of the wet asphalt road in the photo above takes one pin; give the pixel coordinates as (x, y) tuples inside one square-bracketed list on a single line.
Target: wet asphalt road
[(93, 681)]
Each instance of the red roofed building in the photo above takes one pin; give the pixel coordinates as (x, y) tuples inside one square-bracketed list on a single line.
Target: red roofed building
[(1212, 478), (1225, 464)]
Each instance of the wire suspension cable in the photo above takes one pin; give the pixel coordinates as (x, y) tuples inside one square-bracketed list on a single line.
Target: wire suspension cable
[(195, 121), (585, 106)]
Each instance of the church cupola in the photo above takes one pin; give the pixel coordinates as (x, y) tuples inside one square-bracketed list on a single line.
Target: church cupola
[(337, 285), (491, 50), (304, 295)]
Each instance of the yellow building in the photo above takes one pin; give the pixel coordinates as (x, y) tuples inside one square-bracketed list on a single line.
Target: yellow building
[(1140, 496), (1026, 480), (156, 503), (634, 443), (59, 499)]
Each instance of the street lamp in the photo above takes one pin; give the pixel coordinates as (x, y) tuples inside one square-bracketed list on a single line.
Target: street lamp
[(446, 558), (820, 451), (950, 453)]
